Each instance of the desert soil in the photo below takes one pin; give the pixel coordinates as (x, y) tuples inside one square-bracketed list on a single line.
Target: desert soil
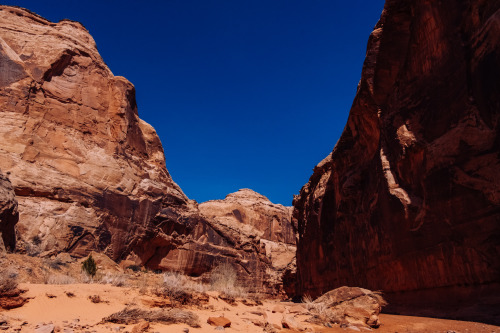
[(69, 308)]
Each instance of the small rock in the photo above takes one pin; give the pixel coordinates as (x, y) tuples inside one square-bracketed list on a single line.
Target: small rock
[(278, 309), (297, 309), (290, 323), (186, 330), (48, 328), (141, 327), (219, 328), (219, 321)]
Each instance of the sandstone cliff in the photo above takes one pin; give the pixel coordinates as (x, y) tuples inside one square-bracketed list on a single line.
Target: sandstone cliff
[(88, 174), (251, 215), (408, 202)]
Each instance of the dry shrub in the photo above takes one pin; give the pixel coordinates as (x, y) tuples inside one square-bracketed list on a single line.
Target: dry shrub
[(179, 288), (58, 279), (129, 316), (95, 298), (8, 282), (223, 278), (115, 279)]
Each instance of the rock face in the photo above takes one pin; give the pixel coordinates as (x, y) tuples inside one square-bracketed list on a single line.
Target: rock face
[(88, 174), (8, 215), (408, 202), (251, 216)]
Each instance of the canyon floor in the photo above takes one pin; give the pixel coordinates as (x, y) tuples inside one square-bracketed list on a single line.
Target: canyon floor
[(59, 301), (50, 305)]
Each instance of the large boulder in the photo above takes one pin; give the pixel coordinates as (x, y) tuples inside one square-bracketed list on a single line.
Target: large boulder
[(408, 202)]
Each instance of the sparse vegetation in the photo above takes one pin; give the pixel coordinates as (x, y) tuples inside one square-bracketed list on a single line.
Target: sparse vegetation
[(129, 316), (223, 278), (58, 279), (179, 288), (115, 279), (95, 299), (89, 266)]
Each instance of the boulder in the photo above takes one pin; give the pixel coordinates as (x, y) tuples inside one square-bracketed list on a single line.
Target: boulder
[(408, 201), (219, 321)]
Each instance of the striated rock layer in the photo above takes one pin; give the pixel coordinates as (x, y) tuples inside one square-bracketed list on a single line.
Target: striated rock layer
[(251, 216), (408, 202), (88, 174)]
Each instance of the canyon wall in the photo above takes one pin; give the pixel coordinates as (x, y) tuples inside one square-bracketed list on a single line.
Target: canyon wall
[(88, 173), (408, 202)]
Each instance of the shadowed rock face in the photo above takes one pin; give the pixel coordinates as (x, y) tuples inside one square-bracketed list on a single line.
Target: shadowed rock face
[(88, 174), (408, 202), (8, 214)]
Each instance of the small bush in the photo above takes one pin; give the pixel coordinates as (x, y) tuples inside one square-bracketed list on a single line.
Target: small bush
[(89, 266), (224, 279), (117, 280), (58, 279), (134, 268)]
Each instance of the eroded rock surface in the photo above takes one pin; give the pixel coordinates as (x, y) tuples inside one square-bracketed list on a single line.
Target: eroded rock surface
[(408, 202), (89, 175), (8, 215), (251, 217)]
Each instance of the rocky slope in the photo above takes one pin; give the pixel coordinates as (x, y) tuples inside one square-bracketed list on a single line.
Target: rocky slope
[(88, 174), (252, 216), (8, 215), (408, 202)]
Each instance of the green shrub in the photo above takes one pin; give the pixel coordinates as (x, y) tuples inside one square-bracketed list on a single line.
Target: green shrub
[(89, 266)]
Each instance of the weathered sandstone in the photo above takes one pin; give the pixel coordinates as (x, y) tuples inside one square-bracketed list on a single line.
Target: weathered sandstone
[(250, 215), (88, 174), (408, 202)]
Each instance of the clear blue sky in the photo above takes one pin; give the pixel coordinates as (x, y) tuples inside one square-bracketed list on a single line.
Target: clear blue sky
[(243, 93)]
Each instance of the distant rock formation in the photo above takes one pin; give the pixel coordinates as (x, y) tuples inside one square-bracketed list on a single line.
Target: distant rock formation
[(408, 202), (8, 215), (89, 175), (250, 215)]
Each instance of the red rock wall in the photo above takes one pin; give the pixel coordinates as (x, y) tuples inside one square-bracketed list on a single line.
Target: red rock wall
[(408, 202), (88, 174)]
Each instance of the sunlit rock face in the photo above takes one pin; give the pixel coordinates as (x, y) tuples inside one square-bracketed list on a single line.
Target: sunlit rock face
[(408, 202), (88, 174), (253, 217)]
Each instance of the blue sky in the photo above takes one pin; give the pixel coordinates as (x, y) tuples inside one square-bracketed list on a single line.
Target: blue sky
[(243, 93)]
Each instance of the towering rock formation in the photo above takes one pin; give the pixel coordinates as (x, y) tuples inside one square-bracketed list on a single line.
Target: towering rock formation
[(87, 172), (250, 215), (8, 215), (89, 175), (408, 202)]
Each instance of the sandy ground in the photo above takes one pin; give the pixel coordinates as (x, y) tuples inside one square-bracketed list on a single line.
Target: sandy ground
[(69, 309)]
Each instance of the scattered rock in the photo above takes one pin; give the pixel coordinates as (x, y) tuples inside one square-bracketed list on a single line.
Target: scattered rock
[(219, 321), (290, 323), (44, 328)]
